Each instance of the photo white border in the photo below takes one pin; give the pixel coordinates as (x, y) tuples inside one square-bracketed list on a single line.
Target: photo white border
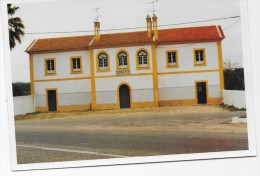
[(6, 85)]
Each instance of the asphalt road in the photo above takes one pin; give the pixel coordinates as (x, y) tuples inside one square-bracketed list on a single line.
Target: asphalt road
[(85, 138)]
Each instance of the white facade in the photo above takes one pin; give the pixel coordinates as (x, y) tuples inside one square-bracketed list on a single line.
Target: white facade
[(176, 85), (156, 69)]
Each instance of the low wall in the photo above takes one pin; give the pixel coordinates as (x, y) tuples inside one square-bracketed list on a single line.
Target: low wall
[(234, 98), (23, 105)]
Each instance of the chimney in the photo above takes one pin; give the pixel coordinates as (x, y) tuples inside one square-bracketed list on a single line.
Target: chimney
[(149, 25), (155, 30), (97, 30)]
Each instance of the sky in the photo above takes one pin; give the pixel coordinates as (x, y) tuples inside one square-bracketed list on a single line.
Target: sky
[(78, 15)]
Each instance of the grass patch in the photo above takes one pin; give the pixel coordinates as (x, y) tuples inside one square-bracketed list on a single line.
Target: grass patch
[(231, 108)]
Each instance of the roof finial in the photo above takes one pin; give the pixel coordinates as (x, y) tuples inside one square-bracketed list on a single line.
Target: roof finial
[(152, 2), (96, 19)]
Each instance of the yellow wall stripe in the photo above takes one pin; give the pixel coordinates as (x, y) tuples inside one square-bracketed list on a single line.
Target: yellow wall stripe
[(62, 79), (155, 76), (220, 62), (188, 71), (92, 77), (31, 74)]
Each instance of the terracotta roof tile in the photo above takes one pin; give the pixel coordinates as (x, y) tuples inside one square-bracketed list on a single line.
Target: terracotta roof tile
[(63, 43), (189, 34), (175, 35), (123, 39)]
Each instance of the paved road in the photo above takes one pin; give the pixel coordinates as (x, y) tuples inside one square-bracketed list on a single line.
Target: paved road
[(108, 137)]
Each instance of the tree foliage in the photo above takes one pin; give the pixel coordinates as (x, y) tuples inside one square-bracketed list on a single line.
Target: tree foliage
[(16, 27), (21, 89), (233, 76)]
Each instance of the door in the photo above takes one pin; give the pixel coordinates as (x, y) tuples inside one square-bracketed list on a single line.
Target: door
[(201, 92), (124, 96), (52, 101)]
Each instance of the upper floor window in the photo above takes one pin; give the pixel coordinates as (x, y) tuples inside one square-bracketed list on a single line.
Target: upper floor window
[(103, 62), (76, 64), (199, 57), (172, 58), (122, 60), (142, 59), (50, 66)]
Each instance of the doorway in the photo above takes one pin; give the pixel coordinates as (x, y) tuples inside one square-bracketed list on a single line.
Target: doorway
[(124, 96), (52, 100), (201, 92)]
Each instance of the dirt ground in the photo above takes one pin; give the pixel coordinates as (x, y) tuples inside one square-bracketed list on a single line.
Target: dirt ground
[(124, 112), (184, 125)]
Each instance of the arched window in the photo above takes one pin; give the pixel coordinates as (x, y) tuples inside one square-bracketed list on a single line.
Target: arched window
[(102, 61), (122, 60), (142, 59)]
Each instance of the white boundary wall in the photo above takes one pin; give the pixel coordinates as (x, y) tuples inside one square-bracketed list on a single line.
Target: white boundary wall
[(234, 98), (23, 105)]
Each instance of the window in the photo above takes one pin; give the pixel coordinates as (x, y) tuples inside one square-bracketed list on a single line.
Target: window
[(76, 64), (50, 66), (142, 59), (172, 58), (199, 57), (122, 58), (102, 62)]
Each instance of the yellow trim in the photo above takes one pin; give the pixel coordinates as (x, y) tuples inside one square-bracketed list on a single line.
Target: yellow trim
[(214, 100), (31, 74), (41, 109), (71, 64), (195, 87), (92, 77), (177, 102), (45, 67), (188, 71), (47, 100), (148, 60), (118, 96), (143, 104), (74, 108), (64, 108), (220, 63), (177, 59), (115, 76), (116, 106), (117, 60), (62, 79), (155, 76), (188, 102), (82, 78), (108, 62), (106, 106), (204, 57)]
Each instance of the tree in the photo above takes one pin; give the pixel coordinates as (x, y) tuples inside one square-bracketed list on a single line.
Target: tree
[(16, 27), (21, 89), (233, 76)]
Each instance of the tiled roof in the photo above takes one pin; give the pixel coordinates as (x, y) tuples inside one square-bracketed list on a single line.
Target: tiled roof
[(63, 43), (123, 39), (204, 33), (175, 35)]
